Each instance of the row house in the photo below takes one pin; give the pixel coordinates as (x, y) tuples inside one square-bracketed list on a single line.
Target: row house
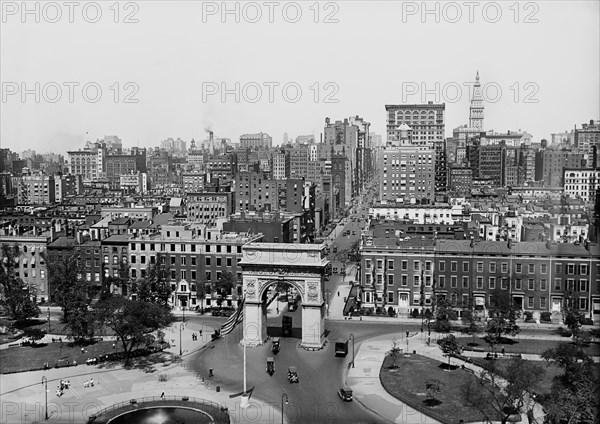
[(537, 276), (192, 255), (31, 264)]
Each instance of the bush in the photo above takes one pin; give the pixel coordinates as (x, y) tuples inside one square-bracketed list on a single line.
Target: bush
[(586, 321), (428, 313), (391, 311), (528, 315), (379, 311), (415, 313), (545, 316), (163, 377)]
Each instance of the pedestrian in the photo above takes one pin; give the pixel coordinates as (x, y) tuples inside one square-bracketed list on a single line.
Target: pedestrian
[(92, 382), (210, 372), (162, 395), (277, 309), (82, 351), (68, 383), (502, 351), (85, 384)]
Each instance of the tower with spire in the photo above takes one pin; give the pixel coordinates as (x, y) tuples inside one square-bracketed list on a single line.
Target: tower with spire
[(476, 109)]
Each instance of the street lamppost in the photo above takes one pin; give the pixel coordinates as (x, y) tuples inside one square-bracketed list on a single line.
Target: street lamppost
[(327, 305), (45, 383), (180, 347), (48, 320), (351, 337), (285, 398)]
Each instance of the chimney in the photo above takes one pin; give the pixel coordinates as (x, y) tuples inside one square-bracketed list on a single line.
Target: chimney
[(510, 243), (51, 233), (78, 237)]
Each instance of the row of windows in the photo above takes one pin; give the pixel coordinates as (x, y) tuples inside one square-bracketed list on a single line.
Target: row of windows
[(570, 284), (182, 248), (571, 269)]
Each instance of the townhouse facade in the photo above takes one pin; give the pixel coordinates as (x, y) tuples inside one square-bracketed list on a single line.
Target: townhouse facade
[(538, 277)]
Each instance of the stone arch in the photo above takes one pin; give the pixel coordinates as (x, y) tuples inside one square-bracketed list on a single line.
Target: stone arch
[(300, 289)]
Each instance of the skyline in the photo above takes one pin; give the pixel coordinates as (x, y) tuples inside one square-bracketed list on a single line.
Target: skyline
[(174, 65)]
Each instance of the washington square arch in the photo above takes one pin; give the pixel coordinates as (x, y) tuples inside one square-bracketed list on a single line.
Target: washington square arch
[(303, 266)]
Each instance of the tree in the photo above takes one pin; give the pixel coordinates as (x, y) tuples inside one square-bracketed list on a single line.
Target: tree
[(120, 281), (503, 318), (443, 314), (449, 345), (472, 321), (155, 285), (132, 320), (34, 334), (574, 394), (68, 289), (394, 354), (496, 396), (81, 323), (15, 295), (433, 388), (224, 285)]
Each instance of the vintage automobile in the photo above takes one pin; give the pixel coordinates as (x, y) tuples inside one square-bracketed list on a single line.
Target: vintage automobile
[(345, 393), (270, 366), (293, 375), (276, 345)]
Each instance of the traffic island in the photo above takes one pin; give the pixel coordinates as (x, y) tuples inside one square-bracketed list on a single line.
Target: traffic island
[(162, 408), (427, 386)]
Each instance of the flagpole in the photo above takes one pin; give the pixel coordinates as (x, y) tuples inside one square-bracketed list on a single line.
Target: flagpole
[(244, 369), (244, 401)]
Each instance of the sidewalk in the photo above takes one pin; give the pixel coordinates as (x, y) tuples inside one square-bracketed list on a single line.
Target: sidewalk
[(22, 396), (367, 388)]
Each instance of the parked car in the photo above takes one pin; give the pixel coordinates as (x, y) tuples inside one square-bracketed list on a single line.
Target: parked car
[(345, 393)]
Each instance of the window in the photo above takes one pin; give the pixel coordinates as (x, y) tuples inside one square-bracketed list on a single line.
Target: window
[(132, 246), (207, 259), (519, 268), (583, 303), (428, 281), (133, 273), (152, 259), (379, 279), (479, 266), (379, 263), (530, 284), (416, 265), (542, 303), (173, 276), (465, 299), (465, 266), (368, 279), (132, 259), (115, 260), (218, 248), (442, 265), (172, 260), (43, 273), (416, 281), (465, 282), (404, 265), (570, 269), (183, 260), (405, 280), (570, 284), (228, 262), (183, 287), (143, 259), (427, 266), (530, 303), (152, 247), (583, 269), (193, 261), (518, 284), (208, 247), (193, 279), (504, 267), (453, 280), (390, 297), (442, 281), (390, 280), (479, 282), (367, 263), (504, 284), (218, 275), (193, 248), (492, 267), (582, 285), (544, 268), (558, 268), (492, 283), (142, 246), (172, 247), (453, 266), (390, 264), (105, 259), (219, 261), (531, 268), (208, 275), (543, 285), (183, 275), (557, 283)]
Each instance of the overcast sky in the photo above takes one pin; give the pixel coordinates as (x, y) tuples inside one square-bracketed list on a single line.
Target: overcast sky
[(538, 61)]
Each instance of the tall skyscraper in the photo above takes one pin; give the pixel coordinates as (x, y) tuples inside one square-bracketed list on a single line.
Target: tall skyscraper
[(476, 109), (425, 120)]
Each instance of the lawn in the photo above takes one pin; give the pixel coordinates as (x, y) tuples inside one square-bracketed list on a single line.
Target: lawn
[(407, 382), (524, 345), (16, 359)]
